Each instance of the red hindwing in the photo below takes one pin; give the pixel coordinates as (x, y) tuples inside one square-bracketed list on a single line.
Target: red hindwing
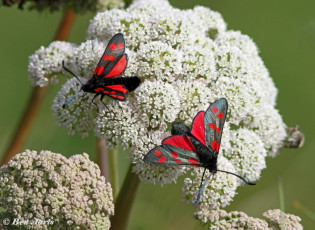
[(117, 92)]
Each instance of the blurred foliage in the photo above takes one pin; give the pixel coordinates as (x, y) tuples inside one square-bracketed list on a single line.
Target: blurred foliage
[(79, 6)]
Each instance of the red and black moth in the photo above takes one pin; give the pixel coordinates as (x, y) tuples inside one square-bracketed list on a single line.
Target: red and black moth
[(198, 146), (106, 79)]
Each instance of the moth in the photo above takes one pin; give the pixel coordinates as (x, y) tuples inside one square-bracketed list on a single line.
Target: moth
[(198, 146), (106, 79)]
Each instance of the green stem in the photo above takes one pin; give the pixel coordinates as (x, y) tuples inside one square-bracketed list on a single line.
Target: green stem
[(281, 195), (125, 200), (281, 198), (102, 157), (113, 170)]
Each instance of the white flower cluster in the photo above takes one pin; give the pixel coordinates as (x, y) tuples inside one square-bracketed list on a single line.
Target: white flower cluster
[(45, 63), (71, 192), (186, 60), (279, 220), (276, 220)]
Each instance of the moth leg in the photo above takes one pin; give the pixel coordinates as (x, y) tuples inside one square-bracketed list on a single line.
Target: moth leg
[(94, 102), (102, 96), (118, 104)]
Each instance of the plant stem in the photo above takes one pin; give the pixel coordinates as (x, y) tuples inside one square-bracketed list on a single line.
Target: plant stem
[(125, 200), (102, 158), (113, 171), (65, 25), (37, 96)]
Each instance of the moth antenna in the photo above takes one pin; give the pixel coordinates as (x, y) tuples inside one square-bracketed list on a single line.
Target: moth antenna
[(69, 71), (66, 103), (204, 171), (246, 181), (200, 190)]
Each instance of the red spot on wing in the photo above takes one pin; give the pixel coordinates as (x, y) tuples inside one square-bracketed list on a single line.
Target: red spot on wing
[(98, 89), (182, 142), (220, 115), (100, 70), (105, 91), (157, 153), (116, 96), (195, 165), (217, 147), (111, 58), (118, 68), (212, 126), (162, 159), (214, 145), (112, 46), (120, 45), (118, 88), (105, 57), (178, 160), (174, 154), (193, 160), (198, 127), (218, 130), (214, 109)]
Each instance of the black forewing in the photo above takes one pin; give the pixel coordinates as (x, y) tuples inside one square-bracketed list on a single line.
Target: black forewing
[(214, 119), (111, 56)]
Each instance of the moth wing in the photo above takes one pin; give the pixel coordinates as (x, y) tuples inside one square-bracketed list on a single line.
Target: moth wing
[(175, 150), (114, 60), (198, 127), (117, 92), (214, 119)]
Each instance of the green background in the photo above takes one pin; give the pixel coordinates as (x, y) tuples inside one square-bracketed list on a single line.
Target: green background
[(284, 31)]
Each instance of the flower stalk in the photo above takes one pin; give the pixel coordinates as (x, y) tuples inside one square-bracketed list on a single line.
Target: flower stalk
[(37, 95), (113, 171), (102, 157), (125, 200)]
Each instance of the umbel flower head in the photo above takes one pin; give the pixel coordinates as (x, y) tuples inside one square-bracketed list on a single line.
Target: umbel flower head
[(275, 220), (186, 60), (47, 186)]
